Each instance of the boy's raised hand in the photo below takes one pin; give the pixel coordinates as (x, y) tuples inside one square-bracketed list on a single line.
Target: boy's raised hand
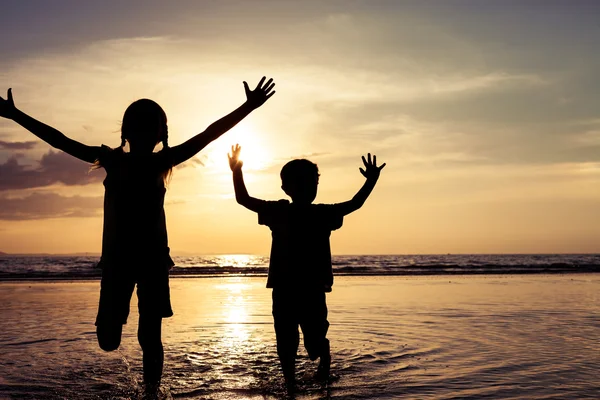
[(257, 97), (234, 158), (371, 170), (7, 107)]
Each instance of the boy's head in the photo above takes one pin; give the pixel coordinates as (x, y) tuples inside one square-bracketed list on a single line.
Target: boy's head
[(299, 180)]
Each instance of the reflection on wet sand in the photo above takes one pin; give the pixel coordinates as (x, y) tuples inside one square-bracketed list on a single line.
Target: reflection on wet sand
[(392, 337)]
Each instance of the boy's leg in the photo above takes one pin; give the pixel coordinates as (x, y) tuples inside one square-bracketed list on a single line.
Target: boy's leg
[(288, 338), (314, 328), (149, 336), (286, 334)]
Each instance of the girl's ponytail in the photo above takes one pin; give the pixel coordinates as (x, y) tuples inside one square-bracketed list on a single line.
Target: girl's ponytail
[(165, 141)]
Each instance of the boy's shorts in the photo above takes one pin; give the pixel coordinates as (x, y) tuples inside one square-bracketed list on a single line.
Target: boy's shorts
[(293, 307), (116, 289)]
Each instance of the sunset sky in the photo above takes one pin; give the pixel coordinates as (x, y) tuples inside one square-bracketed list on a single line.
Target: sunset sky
[(487, 114)]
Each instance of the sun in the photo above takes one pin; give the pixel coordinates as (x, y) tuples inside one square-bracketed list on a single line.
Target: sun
[(255, 154)]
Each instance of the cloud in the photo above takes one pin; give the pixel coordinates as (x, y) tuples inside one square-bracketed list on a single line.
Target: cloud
[(54, 167), (427, 131), (199, 160), (487, 81), (17, 145), (49, 205), (310, 155)]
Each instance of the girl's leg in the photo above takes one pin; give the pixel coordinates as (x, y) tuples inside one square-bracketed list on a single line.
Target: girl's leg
[(109, 336), (149, 336), (116, 289)]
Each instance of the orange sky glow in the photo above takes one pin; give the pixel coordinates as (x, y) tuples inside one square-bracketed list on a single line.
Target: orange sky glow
[(491, 138)]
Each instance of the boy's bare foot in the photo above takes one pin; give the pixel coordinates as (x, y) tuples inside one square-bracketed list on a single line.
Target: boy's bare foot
[(290, 386), (155, 391), (150, 391), (323, 368), (324, 365), (289, 375)]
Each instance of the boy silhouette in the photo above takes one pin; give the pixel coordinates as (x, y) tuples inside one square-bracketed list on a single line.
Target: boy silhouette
[(300, 271)]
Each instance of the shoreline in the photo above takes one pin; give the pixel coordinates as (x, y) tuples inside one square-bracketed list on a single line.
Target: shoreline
[(456, 274), (414, 337)]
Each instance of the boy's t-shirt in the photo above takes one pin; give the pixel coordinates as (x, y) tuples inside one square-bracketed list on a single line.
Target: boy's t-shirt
[(135, 230), (300, 251)]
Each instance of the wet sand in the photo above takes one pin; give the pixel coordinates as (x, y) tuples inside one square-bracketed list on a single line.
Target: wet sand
[(453, 337)]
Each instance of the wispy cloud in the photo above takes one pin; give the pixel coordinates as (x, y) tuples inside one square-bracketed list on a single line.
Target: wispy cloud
[(17, 145), (54, 167), (493, 80), (49, 205)]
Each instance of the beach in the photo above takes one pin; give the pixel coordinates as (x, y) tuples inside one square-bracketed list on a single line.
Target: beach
[(426, 337)]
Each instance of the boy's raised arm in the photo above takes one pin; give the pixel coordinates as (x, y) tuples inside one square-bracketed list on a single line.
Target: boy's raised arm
[(48, 134), (254, 99), (371, 172), (241, 193)]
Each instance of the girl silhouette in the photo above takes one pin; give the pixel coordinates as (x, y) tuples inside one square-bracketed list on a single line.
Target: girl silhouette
[(135, 248)]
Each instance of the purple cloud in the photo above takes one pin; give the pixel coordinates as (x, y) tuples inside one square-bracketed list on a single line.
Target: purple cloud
[(54, 167), (17, 145), (49, 205)]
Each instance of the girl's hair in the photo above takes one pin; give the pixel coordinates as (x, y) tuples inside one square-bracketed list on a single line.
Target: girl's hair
[(142, 118)]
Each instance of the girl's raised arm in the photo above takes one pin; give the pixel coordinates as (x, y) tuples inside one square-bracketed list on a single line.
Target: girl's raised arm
[(254, 99), (48, 134)]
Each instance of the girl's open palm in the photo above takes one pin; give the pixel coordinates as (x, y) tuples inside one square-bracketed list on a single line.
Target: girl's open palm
[(7, 107), (257, 97)]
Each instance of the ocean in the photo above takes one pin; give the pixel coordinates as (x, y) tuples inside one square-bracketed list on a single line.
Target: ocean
[(394, 334), (77, 267)]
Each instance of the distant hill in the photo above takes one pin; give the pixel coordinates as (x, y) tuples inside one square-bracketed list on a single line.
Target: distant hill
[(3, 253)]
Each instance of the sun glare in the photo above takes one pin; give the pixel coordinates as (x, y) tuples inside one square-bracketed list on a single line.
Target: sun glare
[(234, 260), (235, 312), (255, 153)]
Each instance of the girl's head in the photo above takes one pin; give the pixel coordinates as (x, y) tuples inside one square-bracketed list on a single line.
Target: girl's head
[(144, 126)]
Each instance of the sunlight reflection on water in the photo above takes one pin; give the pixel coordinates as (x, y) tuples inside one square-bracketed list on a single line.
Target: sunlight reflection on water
[(235, 260), (235, 312), (413, 338)]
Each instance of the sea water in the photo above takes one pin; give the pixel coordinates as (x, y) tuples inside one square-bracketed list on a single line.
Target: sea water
[(392, 337)]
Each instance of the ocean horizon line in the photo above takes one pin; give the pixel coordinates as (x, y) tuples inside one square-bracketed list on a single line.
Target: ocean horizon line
[(30, 267), (191, 254)]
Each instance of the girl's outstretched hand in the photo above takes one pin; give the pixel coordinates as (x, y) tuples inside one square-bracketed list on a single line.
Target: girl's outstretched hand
[(234, 158), (371, 170), (7, 107), (257, 97)]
